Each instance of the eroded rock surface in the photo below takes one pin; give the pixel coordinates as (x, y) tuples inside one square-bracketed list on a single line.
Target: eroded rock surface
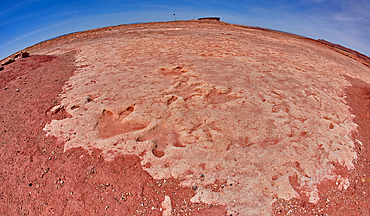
[(211, 104)]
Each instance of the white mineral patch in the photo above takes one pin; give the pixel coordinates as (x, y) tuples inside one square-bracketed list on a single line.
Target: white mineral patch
[(221, 101), (166, 206)]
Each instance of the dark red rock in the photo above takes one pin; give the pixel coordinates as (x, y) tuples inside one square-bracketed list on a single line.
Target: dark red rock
[(25, 54), (10, 60)]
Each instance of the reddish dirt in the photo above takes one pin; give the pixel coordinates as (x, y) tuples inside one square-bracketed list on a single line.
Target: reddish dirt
[(38, 178), (355, 199)]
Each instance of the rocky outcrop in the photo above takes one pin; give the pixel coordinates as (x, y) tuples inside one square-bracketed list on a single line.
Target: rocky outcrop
[(212, 109), (12, 58), (237, 117), (8, 61)]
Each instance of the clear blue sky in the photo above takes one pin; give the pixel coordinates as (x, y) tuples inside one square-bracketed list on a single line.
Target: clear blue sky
[(27, 22)]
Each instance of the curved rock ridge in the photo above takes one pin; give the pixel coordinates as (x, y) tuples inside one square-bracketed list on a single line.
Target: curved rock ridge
[(214, 103)]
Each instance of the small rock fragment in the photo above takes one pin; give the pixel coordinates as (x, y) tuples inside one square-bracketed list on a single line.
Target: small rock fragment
[(167, 207)]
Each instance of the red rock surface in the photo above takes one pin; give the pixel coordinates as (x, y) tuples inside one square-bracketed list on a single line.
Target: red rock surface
[(118, 144), (345, 49)]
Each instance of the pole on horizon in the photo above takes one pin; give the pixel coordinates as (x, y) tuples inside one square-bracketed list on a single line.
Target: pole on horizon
[(175, 16)]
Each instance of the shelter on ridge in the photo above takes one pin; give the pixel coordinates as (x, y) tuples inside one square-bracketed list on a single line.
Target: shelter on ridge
[(210, 18)]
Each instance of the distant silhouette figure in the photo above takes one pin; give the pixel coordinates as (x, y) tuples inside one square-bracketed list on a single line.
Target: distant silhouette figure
[(175, 16)]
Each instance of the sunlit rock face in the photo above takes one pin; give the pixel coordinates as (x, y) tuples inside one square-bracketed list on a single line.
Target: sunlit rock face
[(207, 103)]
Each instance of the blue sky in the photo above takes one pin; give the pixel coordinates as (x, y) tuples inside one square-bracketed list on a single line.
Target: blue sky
[(27, 22)]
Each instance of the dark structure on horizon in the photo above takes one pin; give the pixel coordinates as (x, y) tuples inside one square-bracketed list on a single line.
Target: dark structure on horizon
[(210, 18)]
